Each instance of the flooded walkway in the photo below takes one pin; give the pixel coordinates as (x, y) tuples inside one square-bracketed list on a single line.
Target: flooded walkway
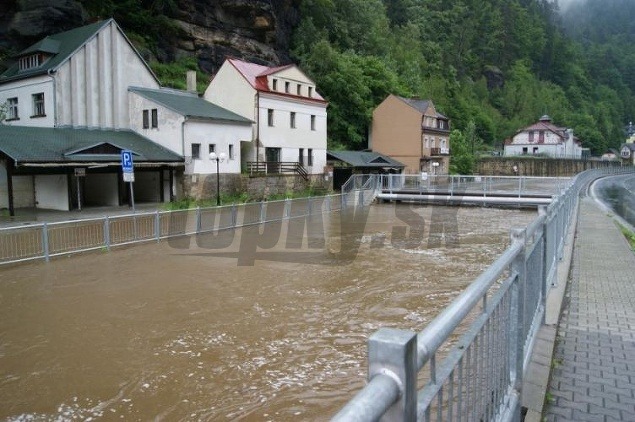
[(186, 331)]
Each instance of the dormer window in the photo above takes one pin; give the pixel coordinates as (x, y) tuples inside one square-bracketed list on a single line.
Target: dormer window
[(30, 62)]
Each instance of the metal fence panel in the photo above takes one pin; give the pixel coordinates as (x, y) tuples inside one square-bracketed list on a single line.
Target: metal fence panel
[(75, 236), (20, 243)]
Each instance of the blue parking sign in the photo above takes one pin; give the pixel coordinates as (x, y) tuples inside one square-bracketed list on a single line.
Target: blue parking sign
[(126, 161)]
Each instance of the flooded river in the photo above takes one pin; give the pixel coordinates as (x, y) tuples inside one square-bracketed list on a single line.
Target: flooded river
[(188, 330), (618, 192)]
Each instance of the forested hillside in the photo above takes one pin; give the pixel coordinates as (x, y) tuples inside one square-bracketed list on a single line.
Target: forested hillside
[(492, 66)]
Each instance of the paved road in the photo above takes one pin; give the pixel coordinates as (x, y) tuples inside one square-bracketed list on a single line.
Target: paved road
[(593, 375)]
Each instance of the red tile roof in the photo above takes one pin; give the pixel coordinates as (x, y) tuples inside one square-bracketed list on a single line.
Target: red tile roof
[(256, 75)]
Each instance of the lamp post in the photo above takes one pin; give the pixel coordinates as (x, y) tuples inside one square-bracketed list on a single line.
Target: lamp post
[(218, 159)]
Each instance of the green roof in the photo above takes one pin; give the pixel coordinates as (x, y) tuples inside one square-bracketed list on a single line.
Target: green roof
[(365, 159), (63, 146), (189, 104), (62, 45)]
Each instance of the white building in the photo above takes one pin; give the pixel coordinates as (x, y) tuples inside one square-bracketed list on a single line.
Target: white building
[(91, 95), (544, 138), (289, 114), (191, 127)]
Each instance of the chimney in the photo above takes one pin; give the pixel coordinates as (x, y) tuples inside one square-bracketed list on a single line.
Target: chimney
[(191, 80)]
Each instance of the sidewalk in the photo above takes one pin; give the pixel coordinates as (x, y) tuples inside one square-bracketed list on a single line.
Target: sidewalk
[(593, 366), (26, 216)]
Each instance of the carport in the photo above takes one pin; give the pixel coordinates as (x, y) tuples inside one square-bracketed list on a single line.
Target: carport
[(68, 168), (347, 163)]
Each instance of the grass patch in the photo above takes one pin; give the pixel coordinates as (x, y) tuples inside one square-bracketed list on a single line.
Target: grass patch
[(629, 235), (241, 198)]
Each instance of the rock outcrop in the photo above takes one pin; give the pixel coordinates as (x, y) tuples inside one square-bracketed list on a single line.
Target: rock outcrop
[(210, 30)]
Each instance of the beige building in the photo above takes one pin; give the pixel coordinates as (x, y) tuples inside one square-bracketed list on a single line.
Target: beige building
[(411, 131)]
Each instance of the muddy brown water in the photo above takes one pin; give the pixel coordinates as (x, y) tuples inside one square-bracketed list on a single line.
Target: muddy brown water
[(180, 331)]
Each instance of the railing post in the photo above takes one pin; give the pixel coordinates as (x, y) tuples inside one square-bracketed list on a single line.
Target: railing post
[(157, 225), (393, 352), (45, 241), (198, 220), (262, 211), (234, 219), (107, 232), (517, 323), (542, 212), (309, 205), (361, 198)]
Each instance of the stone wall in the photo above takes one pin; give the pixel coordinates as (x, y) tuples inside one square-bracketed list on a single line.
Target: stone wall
[(203, 186), (530, 166)]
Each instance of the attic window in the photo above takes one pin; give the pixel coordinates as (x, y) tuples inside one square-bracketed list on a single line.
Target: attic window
[(30, 62)]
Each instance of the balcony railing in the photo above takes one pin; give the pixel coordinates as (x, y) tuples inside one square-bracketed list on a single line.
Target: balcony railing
[(276, 167), (439, 151)]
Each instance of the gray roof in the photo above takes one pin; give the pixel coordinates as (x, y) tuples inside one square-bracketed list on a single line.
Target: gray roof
[(188, 104), (365, 159), (629, 145), (71, 145), (419, 105)]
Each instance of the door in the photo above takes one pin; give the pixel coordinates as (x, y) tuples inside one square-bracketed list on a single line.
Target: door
[(272, 155)]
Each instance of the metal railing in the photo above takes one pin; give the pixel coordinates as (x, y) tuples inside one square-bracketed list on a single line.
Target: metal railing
[(519, 186), (277, 167), (46, 240), (489, 330)]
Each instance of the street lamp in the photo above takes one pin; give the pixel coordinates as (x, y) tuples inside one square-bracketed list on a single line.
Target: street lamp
[(218, 158)]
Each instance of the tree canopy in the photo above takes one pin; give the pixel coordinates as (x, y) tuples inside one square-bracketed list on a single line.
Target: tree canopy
[(493, 65)]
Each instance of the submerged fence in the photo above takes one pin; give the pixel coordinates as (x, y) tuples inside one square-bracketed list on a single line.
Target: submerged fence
[(46, 240), (489, 329)]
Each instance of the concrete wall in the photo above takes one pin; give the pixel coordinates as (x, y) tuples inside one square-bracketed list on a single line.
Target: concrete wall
[(92, 86), (169, 132), (220, 134), (528, 166), (51, 191), (230, 90), (204, 186)]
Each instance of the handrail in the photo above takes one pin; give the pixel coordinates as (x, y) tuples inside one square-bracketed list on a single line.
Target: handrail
[(481, 378), (277, 167)]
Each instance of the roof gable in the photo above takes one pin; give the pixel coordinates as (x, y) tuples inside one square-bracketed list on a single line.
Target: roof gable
[(257, 76), (365, 159), (61, 47)]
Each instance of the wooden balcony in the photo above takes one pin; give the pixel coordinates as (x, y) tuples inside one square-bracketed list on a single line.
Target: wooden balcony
[(276, 167)]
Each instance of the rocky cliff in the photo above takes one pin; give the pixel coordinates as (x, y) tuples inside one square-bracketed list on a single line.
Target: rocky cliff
[(210, 30)]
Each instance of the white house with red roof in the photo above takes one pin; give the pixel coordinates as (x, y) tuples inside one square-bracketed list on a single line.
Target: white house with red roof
[(289, 129), (544, 138)]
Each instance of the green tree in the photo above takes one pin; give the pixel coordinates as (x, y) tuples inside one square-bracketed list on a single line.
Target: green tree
[(462, 160)]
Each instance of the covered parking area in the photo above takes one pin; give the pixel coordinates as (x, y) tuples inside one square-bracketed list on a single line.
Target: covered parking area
[(70, 168)]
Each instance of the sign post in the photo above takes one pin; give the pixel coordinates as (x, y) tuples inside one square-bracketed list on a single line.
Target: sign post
[(128, 172)]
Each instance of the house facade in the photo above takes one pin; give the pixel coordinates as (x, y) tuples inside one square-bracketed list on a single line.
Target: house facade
[(411, 131), (544, 138), (288, 114), (627, 153), (190, 126)]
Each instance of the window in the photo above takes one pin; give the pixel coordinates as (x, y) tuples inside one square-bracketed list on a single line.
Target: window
[(30, 62), (287, 86), (38, 105), (312, 122), (541, 136), (531, 136), (270, 117), (310, 91), (231, 151), (301, 156), (299, 89), (309, 158), (525, 150), (196, 151), (275, 84), (146, 119), (212, 148), (155, 118), (292, 120), (12, 109)]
